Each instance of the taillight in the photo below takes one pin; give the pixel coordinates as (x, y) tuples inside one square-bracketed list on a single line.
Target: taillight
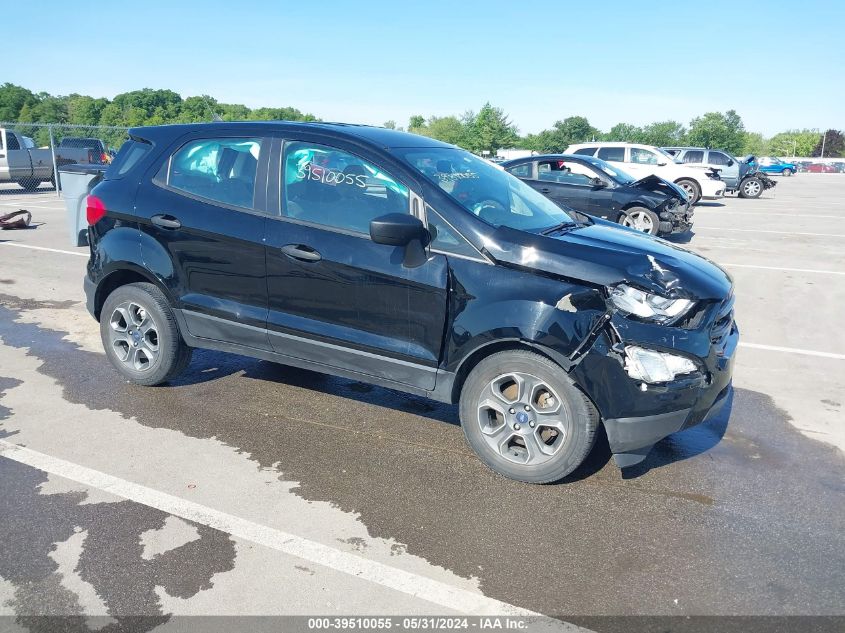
[(104, 159), (95, 210)]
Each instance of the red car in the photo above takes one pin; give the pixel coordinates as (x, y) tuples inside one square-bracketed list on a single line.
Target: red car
[(821, 168)]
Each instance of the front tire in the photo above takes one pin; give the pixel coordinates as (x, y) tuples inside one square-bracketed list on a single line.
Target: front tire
[(640, 219), (787, 172), (690, 188), (30, 184), (751, 188), (140, 335), (525, 419)]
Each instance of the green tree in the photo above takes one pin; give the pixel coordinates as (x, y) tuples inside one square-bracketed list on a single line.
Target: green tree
[(390, 125), (663, 134), (717, 130), (448, 129), (794, 142), (754, 143), (574, 129), (416, 122), (489, 130), (12, 99), (84, 110), (624, 132), (832, 144)]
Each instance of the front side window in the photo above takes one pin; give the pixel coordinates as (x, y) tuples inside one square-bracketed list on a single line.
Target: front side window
[(485, 190), (567, 173), (612, 154), (12, 141), (333, 188), (718, 158), (694, 156), (221, 169), (521, 171), (643, 156), (445, 238)]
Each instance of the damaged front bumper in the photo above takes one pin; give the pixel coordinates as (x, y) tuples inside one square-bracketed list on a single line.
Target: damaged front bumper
[(676, 220), (637, 415)]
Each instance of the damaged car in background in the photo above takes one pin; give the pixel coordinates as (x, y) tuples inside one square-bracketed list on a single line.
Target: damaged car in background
[(401, 261), (590, 185)]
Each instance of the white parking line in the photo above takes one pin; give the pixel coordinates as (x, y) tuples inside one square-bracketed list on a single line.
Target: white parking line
[(434, 591), (22, 205), (766, 215), (716, 228), (44, 248), (793, 350), (790, 270)]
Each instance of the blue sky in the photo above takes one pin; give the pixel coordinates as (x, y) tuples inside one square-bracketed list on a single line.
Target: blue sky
[(780, 64)]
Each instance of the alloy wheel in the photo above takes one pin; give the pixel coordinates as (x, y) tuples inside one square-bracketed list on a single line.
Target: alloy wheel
[(638, 220), (752, 188), (522, 419), (134, 336)]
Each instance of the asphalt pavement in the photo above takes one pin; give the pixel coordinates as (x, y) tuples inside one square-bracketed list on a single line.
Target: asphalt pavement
[(249, 488)]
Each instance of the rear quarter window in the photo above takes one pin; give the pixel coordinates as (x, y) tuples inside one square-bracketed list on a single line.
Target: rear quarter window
[(130, 154)]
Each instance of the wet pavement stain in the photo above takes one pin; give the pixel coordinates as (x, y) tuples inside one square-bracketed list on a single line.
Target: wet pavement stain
[(32, 523), (715, 521)]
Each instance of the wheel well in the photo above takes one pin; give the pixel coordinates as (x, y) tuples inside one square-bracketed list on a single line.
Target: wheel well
[(488, 350), (114, 281)]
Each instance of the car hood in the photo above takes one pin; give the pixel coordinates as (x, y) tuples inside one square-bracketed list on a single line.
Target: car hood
[(606, 254), (656, 184)]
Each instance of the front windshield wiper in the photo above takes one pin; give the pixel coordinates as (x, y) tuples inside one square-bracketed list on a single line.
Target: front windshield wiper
[(563, 226)]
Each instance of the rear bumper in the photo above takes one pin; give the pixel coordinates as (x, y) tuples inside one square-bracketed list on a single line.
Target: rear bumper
[(90, 295)]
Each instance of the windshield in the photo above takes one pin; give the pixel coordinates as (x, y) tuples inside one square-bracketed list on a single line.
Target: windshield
[(622, 177), (485, 190)]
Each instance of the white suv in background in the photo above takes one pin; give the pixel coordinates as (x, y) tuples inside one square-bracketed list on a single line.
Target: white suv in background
[(644, 160)]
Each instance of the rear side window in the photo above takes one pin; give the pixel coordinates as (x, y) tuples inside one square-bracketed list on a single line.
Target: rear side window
[(521, 171), (336, 189), (130, 154), (12, 141), (586, 151), (694, 156), (718, 158), (616, 154), (218, 169)]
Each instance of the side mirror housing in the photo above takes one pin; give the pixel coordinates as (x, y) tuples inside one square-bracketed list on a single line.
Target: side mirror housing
[(730, 162), (402, 229), (598, 182)]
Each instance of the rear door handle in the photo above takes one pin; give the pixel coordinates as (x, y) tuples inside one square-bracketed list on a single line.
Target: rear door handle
[(166, 221), (301, 252), (545, 190)]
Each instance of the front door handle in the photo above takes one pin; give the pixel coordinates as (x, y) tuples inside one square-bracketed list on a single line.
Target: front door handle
[(545, 190), (301, 252), (166, 221)]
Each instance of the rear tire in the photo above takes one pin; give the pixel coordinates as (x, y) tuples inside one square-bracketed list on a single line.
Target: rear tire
[(691, 188), (787, 172), (640, 219), (30, 184), (140, 335), (553, 425), (751, 188)]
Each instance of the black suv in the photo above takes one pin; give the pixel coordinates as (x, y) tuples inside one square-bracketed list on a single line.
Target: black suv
[(590, 185), (402, 261)]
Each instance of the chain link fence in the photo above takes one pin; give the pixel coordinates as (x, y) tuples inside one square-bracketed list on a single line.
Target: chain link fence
[(31, 154)]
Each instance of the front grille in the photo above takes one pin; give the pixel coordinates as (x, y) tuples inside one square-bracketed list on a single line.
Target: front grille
[(724, 323)]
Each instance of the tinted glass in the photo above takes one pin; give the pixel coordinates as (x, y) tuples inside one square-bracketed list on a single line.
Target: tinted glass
[(130, 153), (12, 141), (563, 172), (337, 189), (521, 171), (643, 156), (222, 170), (612, 153), (586, 151), (718, 158), (485, 190), (445, 238), (694, 156)]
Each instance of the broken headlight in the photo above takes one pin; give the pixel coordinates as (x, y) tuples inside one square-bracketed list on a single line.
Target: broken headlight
[(652, 366), (647, 306)]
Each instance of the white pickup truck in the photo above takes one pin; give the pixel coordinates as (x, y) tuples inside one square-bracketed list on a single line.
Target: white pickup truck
[(29, 167)]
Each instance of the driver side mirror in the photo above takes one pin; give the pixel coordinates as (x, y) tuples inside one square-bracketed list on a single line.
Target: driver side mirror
[(598, 182), (730, 162), (402, 229)]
